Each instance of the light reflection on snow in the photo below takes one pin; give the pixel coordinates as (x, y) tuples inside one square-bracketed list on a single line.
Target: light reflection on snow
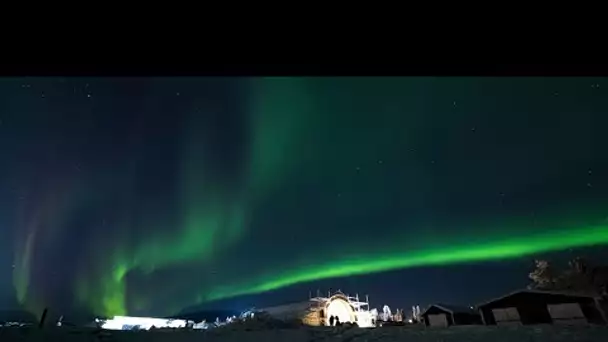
[(141, 323)]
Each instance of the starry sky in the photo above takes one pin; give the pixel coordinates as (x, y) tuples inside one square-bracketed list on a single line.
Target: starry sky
[(147, 196)]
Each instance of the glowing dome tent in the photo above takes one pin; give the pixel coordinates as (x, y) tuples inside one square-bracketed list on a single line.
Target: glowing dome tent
[(339, 306), (318, 311)]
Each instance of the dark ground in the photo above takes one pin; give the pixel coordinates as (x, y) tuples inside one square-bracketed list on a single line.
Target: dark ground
[(410, 334)]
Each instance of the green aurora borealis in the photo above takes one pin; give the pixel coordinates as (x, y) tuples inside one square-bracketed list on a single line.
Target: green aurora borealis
[(241, 186)]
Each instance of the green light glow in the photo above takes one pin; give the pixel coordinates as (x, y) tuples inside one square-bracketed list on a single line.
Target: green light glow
[(293, 120), (506, 248), (382, 173)]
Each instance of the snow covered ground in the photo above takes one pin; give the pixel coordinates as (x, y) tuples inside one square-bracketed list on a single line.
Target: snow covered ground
[(386, 334)]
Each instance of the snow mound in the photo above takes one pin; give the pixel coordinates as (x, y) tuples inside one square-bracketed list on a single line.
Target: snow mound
[(261, 321)]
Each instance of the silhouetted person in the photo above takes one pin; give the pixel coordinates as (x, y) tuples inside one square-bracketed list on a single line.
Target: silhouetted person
[(338, 320), (331, 321)]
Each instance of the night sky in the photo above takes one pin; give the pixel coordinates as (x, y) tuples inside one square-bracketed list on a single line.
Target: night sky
[(146, 196)]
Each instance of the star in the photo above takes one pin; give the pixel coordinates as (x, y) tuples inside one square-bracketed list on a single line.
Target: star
[(89, 95), (177, 94)]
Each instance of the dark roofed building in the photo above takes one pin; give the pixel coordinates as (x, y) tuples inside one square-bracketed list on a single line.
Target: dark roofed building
[(443, 315), (544, 307)]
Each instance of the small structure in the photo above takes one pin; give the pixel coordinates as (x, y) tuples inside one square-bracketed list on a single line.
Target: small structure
[(544, 307), (441, 315)]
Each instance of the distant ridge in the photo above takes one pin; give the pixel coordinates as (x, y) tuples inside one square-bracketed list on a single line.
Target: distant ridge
[(208, 315), (21, 316)]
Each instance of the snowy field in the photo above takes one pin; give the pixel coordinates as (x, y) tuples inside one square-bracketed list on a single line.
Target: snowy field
[(409, 334)]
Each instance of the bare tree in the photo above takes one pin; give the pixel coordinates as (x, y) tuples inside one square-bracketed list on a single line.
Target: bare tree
[(543, 276), (579, 276), (575, 277)]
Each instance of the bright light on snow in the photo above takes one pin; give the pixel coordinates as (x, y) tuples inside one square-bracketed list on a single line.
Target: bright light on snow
[(141, 323)]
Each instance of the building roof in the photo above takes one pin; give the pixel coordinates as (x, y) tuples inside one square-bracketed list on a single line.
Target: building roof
[(555, 293), (452, 309)]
